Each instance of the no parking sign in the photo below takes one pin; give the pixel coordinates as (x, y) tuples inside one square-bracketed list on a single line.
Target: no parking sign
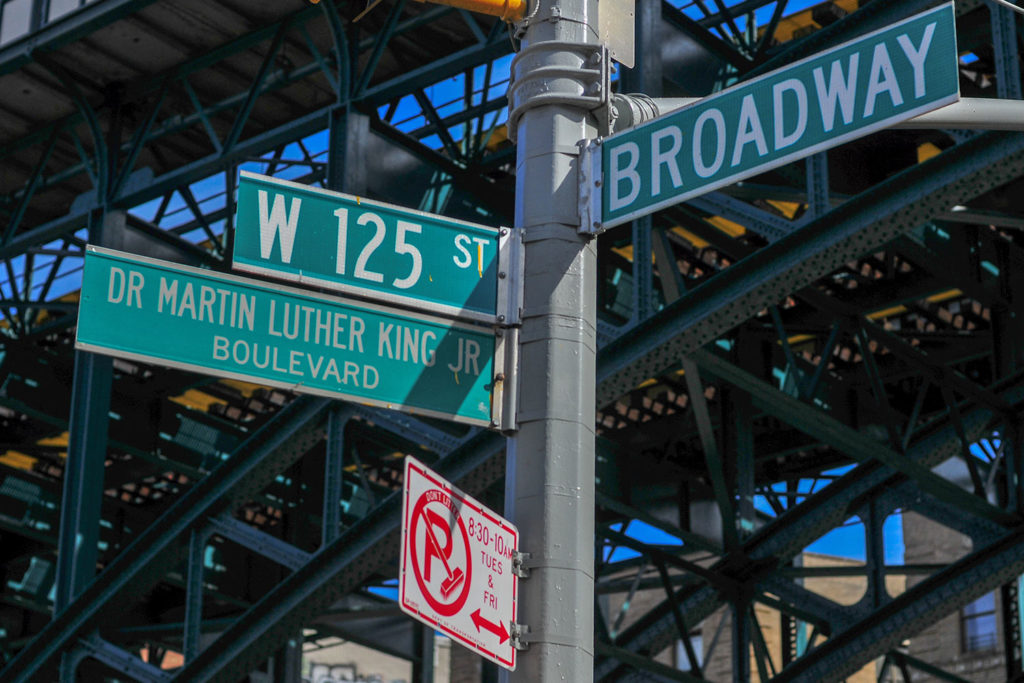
[(456, 565)]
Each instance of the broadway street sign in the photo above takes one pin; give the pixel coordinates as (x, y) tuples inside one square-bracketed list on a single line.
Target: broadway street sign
[(357, 246), (227, 326), (817, 103)]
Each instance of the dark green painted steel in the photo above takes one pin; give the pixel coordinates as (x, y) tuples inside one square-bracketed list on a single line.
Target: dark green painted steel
[(254, 463), (801, 252)]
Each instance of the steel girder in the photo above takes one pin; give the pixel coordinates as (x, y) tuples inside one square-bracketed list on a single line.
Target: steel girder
[(163, 124), (982, 571), (255, 463), (335, 570), (303, 595), (860, 225), (783, 538)]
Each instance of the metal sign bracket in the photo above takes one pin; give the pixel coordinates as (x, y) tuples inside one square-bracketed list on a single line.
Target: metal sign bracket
[(590, 189), (505, 397), (519, 567), (517, 636), (510, 277)]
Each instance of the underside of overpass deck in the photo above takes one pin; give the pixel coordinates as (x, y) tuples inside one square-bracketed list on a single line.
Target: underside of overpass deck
[(848, 322)]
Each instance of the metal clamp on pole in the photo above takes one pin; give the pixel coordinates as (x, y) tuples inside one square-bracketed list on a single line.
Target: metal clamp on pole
[(582, 80), (519, 567), (517, 636)]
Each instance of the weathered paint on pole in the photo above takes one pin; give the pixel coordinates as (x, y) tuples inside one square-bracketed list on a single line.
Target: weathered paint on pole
[(559, 73)]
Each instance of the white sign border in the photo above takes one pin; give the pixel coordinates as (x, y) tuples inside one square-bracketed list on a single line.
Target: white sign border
[(478, 508)]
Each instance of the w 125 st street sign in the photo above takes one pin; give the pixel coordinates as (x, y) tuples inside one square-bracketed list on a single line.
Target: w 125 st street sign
[(846, 92), (456, 565), (356, 246), (158, 312)]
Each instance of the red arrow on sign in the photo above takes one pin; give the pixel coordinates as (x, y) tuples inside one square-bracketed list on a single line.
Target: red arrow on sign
[(496, 629)]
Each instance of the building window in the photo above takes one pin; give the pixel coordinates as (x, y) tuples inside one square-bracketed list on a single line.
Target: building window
[(682, 660), (978, 621), (15, 19)]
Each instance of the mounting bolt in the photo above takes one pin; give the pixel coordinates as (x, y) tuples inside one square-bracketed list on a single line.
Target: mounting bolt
[(500, 377), (501, 318), (501, 274), (518, 567), (597, 225), (503, 232), (517, 633), (597, 183)]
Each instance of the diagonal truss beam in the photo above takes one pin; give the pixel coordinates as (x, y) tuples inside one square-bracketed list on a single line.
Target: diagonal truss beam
[(786, 536), (865, 222), (254, 464), (848, 440), (955, 586), (335, 570)]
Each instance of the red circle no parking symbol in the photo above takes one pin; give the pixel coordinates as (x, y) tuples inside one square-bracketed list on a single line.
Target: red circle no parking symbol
[(440, 552)]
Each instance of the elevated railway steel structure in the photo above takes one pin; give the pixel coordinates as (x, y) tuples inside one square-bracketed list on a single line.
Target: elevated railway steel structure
[(778, 359)]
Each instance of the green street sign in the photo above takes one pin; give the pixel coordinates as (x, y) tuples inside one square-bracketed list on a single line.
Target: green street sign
[(227, 326), (853, 89), (357, 246)]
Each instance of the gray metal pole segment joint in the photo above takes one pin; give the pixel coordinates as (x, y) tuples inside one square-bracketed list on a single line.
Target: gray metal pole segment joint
[(560, 72)]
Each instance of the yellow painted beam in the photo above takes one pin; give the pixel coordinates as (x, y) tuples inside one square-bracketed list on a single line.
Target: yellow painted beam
[(927, 151), (800, 23), (59, 440), (727, 226), (247, 389), (509, 10), (697, 242), (944, 296), (788, 209), (18, 460), (887, 312), (198, 400)]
